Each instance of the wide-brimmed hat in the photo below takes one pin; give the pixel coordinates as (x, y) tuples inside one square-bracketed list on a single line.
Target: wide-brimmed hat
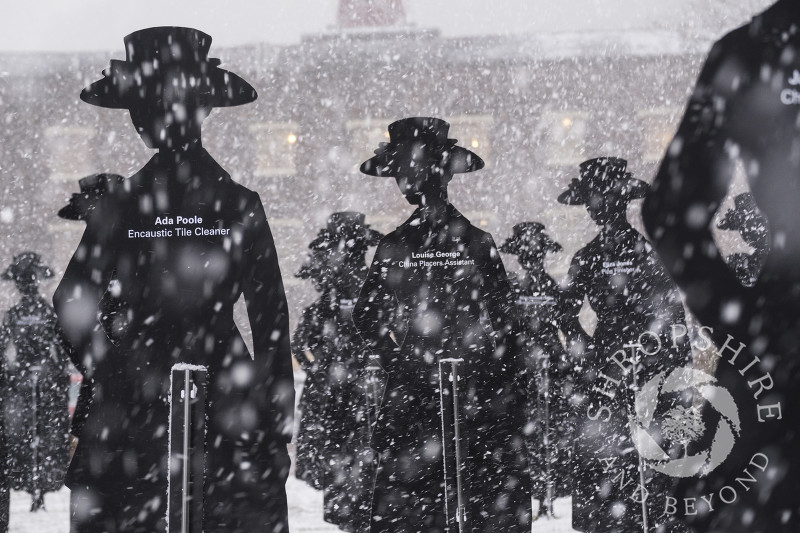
[(426, 138), (529, 237), (347, 229), (167, 63), (81, 204), (744, 216), (606, 175), (27, 267)]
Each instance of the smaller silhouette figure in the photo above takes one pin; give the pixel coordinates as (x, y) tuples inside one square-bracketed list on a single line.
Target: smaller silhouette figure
[(541, 306), (752, 226), (36, 394), (338, 354), (80, 207), (306, 341), (634, 298)]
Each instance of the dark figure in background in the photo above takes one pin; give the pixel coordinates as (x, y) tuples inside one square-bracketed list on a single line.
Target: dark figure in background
[(347, 468), (339, 354), (80, 207), (541, 306), (743, 111), (36, 393), (184, 242), (636, 302), (437, 289), (752, 226), (306, 341)]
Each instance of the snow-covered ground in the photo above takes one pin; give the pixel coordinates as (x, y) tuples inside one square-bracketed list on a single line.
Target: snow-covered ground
[(305, 513)]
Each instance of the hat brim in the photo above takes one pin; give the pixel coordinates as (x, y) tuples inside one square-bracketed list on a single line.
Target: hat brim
[(514, 245), (384, 163), (634, 189), (571, 197), (70, 212), (118, 89), (40, 271)]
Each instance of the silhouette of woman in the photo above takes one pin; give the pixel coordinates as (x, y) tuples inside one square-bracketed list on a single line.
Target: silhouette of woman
[(184, 242), (743, 111), (338, 353), (746, 219), (635, 302), (306, 341), (80, 207), (35, 396), (430, 283), (541, 305)]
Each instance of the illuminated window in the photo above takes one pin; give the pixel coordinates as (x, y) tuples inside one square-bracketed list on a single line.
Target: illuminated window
[(276, 148), (657, 127), (364, 135), (472, 132), (69, 150), (565, 134)]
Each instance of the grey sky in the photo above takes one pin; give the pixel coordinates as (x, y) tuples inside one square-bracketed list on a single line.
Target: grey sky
[(69, 25)]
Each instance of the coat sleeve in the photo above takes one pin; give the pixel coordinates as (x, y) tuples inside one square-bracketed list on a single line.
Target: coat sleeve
[(689, 187), (509, 376), (498, 297), (575, 288), (374, 312), (272, 390)]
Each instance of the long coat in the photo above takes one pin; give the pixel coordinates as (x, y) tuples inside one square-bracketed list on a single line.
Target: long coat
[(635, 301), (441, 291), (35, 397), (179, 288), (333, 432), (541, 306), (308, 336)]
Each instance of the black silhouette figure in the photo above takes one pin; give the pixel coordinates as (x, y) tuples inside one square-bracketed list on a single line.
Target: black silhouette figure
[(80, 207), (306, 342), (751, 224), (744, 109), (635, 302), (35, 395), (184, 242), (338, 354), (540, 303), (430, 283)]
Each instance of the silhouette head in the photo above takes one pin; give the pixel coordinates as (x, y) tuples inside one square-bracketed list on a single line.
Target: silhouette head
[(747, 220), (421, 158), (169, 85), (81, 204), (25, 270), (605, 188), (345, 240), (530, 244)]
